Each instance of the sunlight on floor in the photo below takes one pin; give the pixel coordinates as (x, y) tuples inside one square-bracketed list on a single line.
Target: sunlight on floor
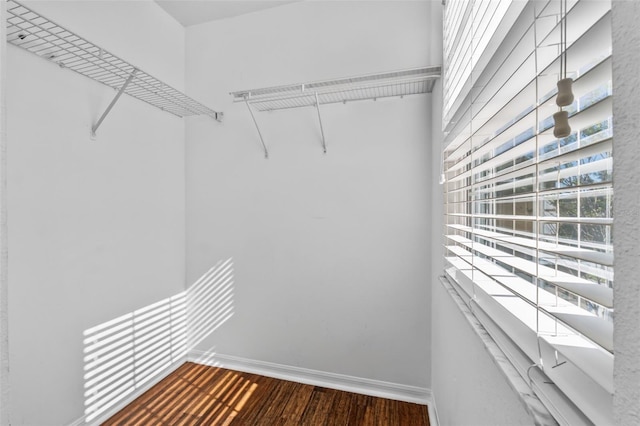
[(125, 353)]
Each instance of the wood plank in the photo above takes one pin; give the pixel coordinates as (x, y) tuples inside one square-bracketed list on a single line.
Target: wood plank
[(393, 409), (294, 409), (319, 407), (174, 407), (224, 400), (260, 395), (340, 409), (272, 408), (358, 412), (381, 411), (200, 395)]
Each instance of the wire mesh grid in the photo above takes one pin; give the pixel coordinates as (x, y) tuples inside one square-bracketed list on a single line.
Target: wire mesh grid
[(33, 32), (373, 86)]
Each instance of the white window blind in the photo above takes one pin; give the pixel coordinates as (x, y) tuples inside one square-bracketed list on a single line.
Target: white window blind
[(472, 25), (528, 217)]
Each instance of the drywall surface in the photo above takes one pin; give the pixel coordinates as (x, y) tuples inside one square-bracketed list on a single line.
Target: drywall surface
[(96, 228), (626, 120), (330, 251)]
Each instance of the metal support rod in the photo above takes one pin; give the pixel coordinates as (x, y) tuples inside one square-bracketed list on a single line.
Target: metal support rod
[(324, 144), (266, 153), (113, 102)]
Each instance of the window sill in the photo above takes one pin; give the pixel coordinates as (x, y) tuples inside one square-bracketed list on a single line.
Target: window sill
[(539, 413)]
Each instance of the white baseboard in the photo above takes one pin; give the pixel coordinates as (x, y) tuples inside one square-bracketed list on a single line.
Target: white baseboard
[(433, 412), (131, 397), (317, 378)]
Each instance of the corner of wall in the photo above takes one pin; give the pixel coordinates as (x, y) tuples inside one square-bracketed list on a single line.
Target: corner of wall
[(4, 285)]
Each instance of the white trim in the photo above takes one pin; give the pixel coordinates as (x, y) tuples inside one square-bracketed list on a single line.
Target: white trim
[(132, 396), (4, 280), (433, 412), (307, 376)]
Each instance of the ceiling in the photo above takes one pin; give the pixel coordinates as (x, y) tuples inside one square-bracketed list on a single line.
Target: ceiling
[(192, 12)]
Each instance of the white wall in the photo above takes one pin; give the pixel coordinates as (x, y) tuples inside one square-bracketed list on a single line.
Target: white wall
[(96, 228), (330, 252), (626, 120)]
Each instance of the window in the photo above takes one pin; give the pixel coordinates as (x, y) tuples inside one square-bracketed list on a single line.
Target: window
[(528, 217)]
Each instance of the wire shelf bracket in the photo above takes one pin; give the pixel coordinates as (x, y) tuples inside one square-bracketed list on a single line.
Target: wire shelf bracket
[(364, 87), (324, 142), (94, 128), (37, 34), (266, 152)]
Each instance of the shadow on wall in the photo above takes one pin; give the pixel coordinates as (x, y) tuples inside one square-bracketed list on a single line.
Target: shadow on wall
[(123, 354), (209, 302)]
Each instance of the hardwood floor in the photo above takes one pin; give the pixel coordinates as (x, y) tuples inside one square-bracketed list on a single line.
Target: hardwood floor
[(195, 394)]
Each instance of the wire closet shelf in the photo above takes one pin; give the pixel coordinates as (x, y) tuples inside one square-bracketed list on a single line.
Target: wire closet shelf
[(35, 33), (372, 86)]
